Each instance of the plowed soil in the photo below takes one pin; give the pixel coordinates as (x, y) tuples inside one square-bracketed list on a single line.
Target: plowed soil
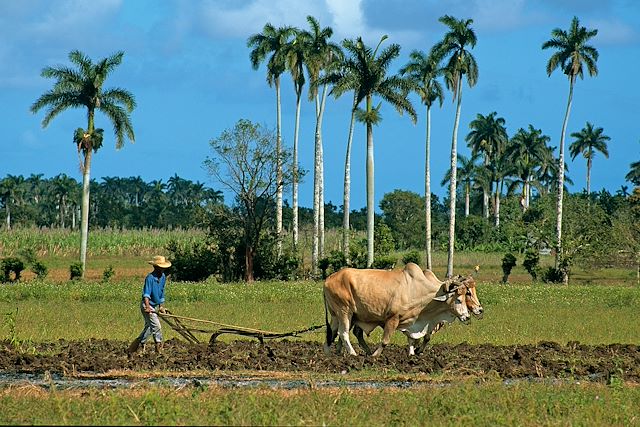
[(548, 360)]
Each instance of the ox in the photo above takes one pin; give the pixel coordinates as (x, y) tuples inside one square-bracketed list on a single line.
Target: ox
[(390, 299), (431, 321)]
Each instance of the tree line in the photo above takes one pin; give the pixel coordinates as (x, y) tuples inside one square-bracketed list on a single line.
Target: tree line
[(523, 160)]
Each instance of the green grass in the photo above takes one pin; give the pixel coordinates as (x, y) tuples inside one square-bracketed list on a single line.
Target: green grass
[(466, 404), (514, 313)]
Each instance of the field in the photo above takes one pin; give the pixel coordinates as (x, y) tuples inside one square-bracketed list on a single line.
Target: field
[(541, 355)]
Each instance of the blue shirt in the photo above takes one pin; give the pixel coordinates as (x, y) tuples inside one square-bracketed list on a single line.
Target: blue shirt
[(154, 289)]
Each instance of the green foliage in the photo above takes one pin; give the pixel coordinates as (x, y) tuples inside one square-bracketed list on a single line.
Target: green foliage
[(75, 271), (552, 275), (403, 212), (108, 274), (412, 256), (192, 262), (531, 262), (9, 266), (384, 242), (384, 262), (40, 270), (508, 262), (471, 231)]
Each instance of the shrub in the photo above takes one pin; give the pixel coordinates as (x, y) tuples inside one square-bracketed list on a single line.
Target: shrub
[(108, 273), (75, 270), (39, 269), (384, 262), (12, 265), (191, 262), (552, 275), (531, 262), (412, 256), (508, 262)]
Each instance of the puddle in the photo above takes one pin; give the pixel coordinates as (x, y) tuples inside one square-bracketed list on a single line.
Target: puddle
[(58, 382)]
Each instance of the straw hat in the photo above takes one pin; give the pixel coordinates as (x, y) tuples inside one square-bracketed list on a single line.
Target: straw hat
[(160, 261)]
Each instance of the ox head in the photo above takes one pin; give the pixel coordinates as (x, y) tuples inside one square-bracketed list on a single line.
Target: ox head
[(455, 296)]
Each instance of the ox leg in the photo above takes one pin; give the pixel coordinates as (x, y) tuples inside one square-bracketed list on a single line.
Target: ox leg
[(422, 345), (389, 326), (359, 333), (412, 345), (344, 337), (331, 335)]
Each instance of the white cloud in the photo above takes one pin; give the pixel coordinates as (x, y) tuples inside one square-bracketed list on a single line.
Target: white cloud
[(348, 19), (250, 18), (613, 32)]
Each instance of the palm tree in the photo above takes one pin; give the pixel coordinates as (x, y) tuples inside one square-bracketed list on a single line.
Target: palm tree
[(370, 72), (62, 187), (526, 153), (634, 173), (423, 71), (460, 62), (297, 52), (273, 42), (322, 56), (587, 141), (467, 169), (11, 191), (488, 136), (83, 87), (571, 56)]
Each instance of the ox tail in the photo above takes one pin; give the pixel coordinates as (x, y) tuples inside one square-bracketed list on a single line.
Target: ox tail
[(329, 333)]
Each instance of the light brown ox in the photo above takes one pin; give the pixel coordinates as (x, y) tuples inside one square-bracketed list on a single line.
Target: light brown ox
[(390, 299), (429, 322)]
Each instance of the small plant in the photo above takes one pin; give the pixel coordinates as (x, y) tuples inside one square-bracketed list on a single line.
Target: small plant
[(10, 323), (39, 269), (508, 262), (108, 273), (75, 270), (552, 275), (11, 265)]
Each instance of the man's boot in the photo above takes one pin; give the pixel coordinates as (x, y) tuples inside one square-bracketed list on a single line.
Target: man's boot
[(133, 347), (159, 347)]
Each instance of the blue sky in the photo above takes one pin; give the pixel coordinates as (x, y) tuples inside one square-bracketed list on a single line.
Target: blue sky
[(188, 66)]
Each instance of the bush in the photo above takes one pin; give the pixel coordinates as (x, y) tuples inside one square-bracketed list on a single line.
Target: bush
[(39, 269), (11, 265), (552, 275), (191, 262), (384, 262), (531, 262), (108, 273), (508, 262), (334, 262), (412, 256), (75, 271)]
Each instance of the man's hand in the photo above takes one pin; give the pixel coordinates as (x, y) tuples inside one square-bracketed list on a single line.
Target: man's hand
[(162, 310), (148, 309)]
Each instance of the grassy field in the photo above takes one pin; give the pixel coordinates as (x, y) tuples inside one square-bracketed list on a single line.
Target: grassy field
[(598, 308)]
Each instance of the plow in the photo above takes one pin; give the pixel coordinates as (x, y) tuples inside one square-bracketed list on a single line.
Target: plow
[(186, 326)]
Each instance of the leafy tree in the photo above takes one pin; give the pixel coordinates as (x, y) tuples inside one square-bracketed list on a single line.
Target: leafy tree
[(272, 43), (11, 192), (82, 87), (459, 62), (423, 71), (246, 163), (587, 142), (399, 210), (571, 56)]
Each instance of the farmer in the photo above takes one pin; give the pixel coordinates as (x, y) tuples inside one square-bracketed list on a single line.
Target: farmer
[(151, 304)]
